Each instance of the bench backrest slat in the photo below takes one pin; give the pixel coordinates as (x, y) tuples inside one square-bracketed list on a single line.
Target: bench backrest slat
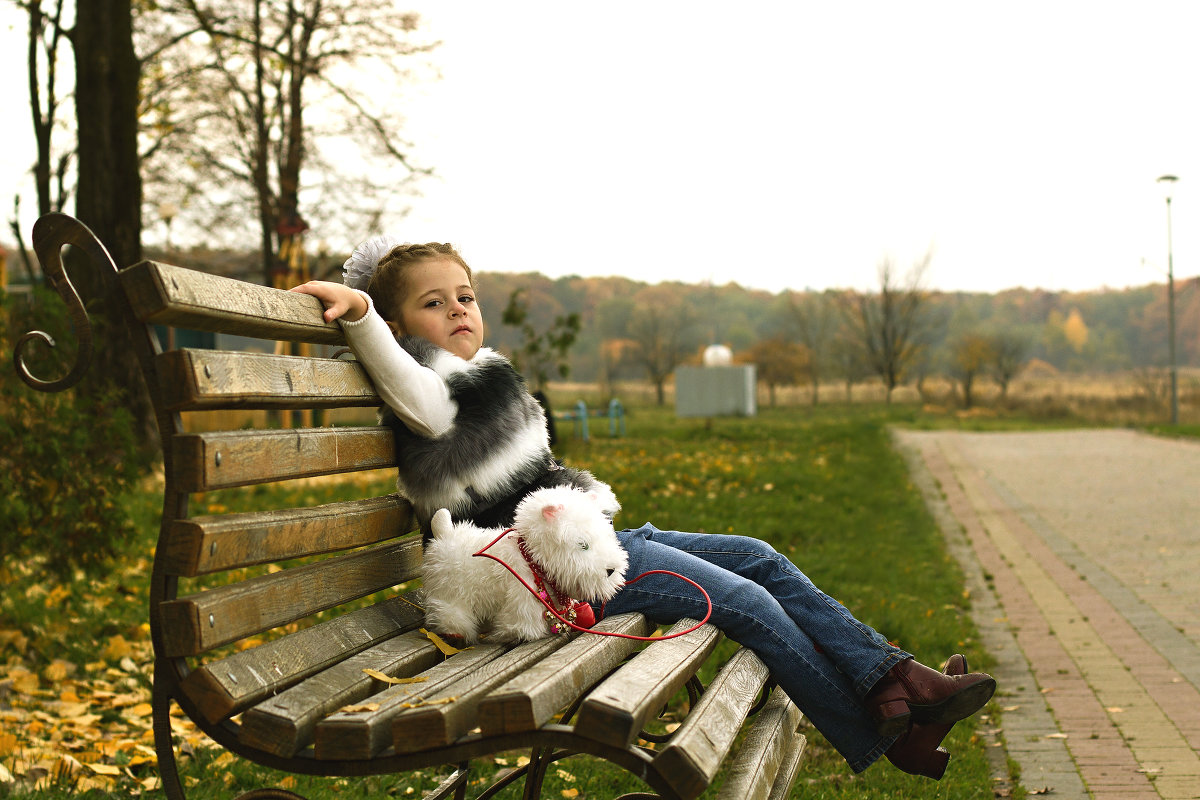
[(205, 544), (215, 617), (221, 459), (232, 684), (198, 380), (167, 295)]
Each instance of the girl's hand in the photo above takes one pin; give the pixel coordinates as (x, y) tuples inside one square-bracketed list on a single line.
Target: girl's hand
[(340, 301)]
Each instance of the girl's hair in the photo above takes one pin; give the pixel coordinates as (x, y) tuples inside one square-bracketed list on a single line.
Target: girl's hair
[(390, 281)]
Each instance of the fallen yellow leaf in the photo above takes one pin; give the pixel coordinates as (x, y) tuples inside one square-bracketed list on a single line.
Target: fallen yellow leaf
[(441, 644), (104, 769), (117, 649), (379, 676), (142, 710), (56, 670), (360, 707)]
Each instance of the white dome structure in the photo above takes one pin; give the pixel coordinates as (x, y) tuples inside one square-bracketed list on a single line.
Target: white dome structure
[(717, 355)]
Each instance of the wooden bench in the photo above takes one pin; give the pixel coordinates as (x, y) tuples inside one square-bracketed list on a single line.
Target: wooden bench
[(301, 701)]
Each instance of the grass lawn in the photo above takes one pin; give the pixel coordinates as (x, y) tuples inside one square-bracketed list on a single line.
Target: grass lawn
[(822, 486)]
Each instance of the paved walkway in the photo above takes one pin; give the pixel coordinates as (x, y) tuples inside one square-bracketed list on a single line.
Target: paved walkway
[(1082, 554)]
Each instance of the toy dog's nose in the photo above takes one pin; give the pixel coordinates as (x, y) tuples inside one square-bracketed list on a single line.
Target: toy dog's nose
[(610, 572)]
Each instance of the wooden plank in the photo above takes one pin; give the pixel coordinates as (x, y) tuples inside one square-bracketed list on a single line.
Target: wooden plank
[(763, 751), (222, 688), (691, 759), (782, 788), (199, 622), (286, 723), (185, 298), (206, 544), (362, 734), (221, 459), (427, 727), (193, 380), (618, 709), (528, 701)]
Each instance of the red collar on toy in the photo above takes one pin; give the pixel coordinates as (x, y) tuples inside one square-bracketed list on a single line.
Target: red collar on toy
[(581, 616), (561, 606)]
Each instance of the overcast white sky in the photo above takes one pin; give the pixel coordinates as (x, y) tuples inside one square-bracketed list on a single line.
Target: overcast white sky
[(796, 144)]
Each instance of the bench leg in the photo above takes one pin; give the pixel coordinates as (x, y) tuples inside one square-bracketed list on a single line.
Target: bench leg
[(168, 770)]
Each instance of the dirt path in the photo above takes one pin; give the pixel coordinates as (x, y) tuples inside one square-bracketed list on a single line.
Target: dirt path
[(1082, 551)]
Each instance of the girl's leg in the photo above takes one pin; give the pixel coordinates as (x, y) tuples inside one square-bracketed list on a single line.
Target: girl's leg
[(860, 652), (748, 613)]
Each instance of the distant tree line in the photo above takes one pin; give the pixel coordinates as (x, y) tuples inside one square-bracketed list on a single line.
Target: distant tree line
[(633, 330)]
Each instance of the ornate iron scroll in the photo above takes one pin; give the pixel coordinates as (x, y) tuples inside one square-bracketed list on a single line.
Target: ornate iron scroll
[(50, 234)]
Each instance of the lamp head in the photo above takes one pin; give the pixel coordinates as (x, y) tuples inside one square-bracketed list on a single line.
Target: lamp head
[(1167, 183)]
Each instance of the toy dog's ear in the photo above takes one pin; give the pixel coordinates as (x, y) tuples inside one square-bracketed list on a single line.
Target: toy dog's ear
[(550, 512)]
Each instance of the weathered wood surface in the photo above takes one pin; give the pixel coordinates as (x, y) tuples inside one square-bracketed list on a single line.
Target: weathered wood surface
[(786, 776), (616, 710), (206, 544), (765, 748), (532, 698), (222, 459), (168, 295), (286, 723), (426, 727), (222, 688), (199, 622), (195, 380), (363, 734), (701, 743)]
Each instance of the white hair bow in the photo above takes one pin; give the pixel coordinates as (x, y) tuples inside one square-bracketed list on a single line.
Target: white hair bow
[(360, 266)]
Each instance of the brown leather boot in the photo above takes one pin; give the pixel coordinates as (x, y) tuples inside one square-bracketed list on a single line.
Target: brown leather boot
[(913, 693), (919, 751)]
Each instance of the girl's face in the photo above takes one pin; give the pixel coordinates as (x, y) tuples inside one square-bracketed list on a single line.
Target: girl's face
[(439, 305)]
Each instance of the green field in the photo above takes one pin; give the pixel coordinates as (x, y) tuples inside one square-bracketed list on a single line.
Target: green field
[(821, 485)]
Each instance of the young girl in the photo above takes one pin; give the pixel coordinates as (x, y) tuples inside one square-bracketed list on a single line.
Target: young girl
[(470, 438)]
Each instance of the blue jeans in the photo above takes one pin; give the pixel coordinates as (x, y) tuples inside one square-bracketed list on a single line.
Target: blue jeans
[(815, 649)]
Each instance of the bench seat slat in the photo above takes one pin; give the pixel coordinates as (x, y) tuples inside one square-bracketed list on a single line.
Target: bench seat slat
[(193, 624), (766, 748), (529, 700), (618, 709), (415, 729), (197, 380), (186, 298), (363, 734), (206, 544), (286, 723), (223, 459), (786, 776), (699, 745), (223, 688)]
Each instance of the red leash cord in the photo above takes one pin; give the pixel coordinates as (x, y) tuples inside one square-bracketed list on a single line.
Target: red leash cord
[(484, 552)]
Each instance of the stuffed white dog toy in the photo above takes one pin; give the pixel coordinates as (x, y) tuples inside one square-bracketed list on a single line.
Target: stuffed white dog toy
[(562, 544)]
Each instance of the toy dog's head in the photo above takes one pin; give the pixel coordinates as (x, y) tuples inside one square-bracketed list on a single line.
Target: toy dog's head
[(569, 534)]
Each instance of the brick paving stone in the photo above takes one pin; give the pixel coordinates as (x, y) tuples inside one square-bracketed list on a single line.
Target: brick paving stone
[(1086, 543)]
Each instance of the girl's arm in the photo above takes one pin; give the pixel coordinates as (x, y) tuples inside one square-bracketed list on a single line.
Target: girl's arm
[(417, 394)]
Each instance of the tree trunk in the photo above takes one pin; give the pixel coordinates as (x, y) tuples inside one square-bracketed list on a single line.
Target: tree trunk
[(109, 190)]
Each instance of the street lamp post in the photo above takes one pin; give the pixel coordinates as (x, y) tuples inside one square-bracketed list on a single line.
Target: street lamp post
[(1168, 183)]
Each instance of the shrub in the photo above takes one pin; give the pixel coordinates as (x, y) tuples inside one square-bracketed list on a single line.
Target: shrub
[(66, 458)]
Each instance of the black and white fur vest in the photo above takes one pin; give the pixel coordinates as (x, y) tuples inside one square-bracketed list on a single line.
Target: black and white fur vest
[(496, 452)]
